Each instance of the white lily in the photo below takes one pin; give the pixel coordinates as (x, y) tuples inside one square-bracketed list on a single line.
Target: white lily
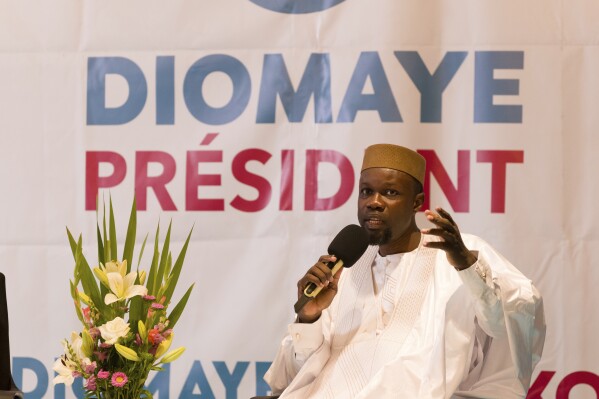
[(76, 345), (123, 287), (74, 351), (116, 267), (110, 267), (65, 373)]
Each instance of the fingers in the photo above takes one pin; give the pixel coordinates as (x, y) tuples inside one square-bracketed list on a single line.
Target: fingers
[(322, 277), (446, 229), (319, 274), (446, 215), (447, 236), (439, 219)]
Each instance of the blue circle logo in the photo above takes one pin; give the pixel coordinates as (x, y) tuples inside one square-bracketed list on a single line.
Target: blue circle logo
[(297, 6)]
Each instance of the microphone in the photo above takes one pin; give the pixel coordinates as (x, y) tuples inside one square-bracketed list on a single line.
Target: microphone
[(348, 246)]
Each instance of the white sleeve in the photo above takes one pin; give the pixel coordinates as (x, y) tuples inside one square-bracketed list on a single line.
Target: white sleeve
[(297, 346), (507, 305), (487, 305), (306, 338)]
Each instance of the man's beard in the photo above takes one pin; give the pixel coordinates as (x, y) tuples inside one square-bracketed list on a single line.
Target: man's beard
[(379, 237)]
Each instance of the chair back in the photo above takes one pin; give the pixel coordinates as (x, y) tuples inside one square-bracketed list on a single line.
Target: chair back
[(5, 375)]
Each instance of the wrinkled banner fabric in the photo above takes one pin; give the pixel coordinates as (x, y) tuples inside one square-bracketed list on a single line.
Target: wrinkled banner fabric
[(248, 119)]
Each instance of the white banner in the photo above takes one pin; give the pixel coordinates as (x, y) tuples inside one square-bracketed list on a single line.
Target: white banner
[(247, 119)]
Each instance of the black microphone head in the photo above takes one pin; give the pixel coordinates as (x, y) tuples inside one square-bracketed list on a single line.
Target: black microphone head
[(349, 244)]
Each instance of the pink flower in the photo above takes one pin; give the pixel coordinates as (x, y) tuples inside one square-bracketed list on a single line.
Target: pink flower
[(101, 355), (90, 385), (94, 332), (138, 340), (149, 297), (157, 306), (103, 375), (76, 374), (119, 379), (90, 368), (86, 316)]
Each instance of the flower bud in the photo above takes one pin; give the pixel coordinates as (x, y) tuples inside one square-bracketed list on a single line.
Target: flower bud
[(87, 300), (122, 267), (173, 355), (127, 353), (142, 277), (88, 343), (164, 346), (143, 333), (101, 275)]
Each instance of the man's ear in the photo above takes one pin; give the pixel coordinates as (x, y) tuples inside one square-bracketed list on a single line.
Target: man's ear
[(418, 201)]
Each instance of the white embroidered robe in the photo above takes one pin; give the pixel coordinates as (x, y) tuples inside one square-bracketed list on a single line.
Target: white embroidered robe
[(476, 333)]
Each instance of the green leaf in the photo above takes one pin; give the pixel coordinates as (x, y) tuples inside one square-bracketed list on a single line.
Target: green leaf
[(143, 246), (130, 239), (154, 264), (174, 276), (160, 276), (147, 394), (72, 243), (113, 240), (106, 246), (135, 312), (77, 302), (101, 259), (88, 281), (169, 264), (135, 308), (173, 317)]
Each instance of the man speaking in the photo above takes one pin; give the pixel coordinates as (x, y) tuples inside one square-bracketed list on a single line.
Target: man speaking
[(424, 313)]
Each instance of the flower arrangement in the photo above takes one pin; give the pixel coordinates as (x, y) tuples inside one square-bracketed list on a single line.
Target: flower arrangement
[(127, 329)]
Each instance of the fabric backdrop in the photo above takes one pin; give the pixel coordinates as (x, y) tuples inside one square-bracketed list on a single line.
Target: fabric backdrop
[(248, 119)]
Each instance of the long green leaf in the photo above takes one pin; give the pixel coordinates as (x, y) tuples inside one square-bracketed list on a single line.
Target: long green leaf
[(72, 243), (169, 264), (130, 239), (173, 317), (76, 301), (106, 245), (160, 276), (101, 259), (174, 276), (141, 253), (113, 240), (154, 264), (135, 310), (88, 281)]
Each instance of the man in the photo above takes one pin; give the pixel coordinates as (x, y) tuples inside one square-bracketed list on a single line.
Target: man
[(425, 313)]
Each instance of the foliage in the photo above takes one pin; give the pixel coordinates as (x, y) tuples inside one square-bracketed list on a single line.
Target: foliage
[(127, 330)]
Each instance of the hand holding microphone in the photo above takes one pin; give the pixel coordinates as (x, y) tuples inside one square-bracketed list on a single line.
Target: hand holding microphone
[(318, 287)]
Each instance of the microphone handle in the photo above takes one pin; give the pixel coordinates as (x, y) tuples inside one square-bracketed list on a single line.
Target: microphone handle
[(312, 289)]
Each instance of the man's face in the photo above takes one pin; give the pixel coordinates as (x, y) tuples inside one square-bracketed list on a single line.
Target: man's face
[(387, 204)]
